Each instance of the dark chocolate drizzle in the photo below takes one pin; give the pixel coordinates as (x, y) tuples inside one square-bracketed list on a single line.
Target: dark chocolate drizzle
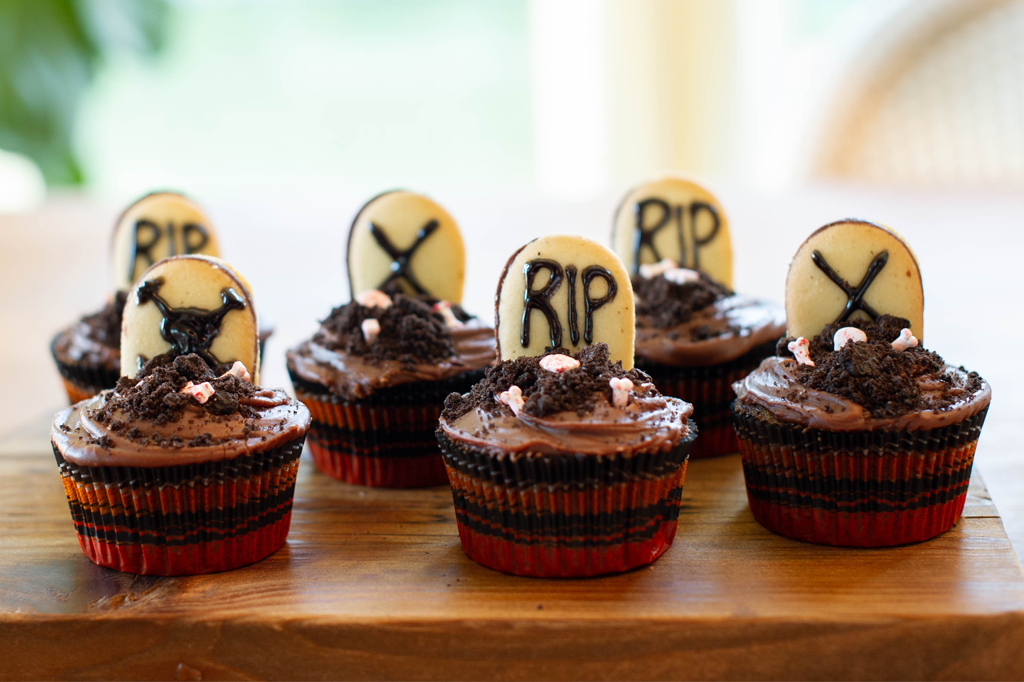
[(574, 327), (191, 330), (144, 249), (539, 299), (401, 259), (644, 236), (854, 295), (590, 305)]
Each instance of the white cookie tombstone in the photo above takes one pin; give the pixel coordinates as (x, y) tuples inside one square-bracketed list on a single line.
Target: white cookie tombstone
[(190, 304), (564, 291), (406, 238), (676, 219), (849, 270), (155, 227)]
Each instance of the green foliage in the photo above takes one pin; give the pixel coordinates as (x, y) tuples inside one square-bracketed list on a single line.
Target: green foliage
[(49, 53)]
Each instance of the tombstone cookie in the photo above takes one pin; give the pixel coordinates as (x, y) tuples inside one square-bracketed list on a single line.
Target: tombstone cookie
[(155, 227), (674, 219), (190, 304), (852, 270), (877, 433), (408, 240), (564, 291)]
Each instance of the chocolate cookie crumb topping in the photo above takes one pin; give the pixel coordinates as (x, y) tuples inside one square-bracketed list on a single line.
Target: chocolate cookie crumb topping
[(546, 392), (663, 304), (155, 393), (410, 331), (105, 326), (884, 381)]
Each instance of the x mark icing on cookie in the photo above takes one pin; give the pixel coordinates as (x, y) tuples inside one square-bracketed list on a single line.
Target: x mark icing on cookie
[(400, 260), (854, 295), (190, 330)]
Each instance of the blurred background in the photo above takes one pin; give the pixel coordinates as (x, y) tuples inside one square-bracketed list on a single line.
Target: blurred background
[(520, 116)]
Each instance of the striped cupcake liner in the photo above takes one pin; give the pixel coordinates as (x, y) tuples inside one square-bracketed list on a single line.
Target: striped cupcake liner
[(183, 520), (709, 390), (81, 380), (565, 515), (385, 440), (860, 488)]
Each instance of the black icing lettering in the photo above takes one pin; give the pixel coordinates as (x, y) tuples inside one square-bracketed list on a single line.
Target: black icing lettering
[(191, 330), (854, 295), (540, 299), (190, 230), (644, 234), (142, 249), (574, 327), (590, 305), (698, 241), (401, 259)]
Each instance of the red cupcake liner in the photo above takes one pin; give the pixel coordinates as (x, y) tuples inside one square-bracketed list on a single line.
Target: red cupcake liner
[(183, 520), (709, 390), (386, 440), (565, 515), (856, 489)]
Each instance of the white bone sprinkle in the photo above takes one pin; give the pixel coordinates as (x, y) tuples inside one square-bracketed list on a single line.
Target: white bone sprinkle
[(445, 308), (620, 391), (201, 392), (682, 276), (800, 350), (652, 270), (906, 340), (371, 329), (238, 370), (372, 298), (846, 335), (558, 363), (513, 397)]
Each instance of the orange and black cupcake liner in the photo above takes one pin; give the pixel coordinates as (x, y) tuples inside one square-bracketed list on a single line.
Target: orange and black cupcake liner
[(565, 515), (384, 440), (709, 390), (856, 489), (184, 520)]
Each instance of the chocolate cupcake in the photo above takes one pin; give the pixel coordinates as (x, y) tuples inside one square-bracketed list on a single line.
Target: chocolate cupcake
[(860, 436), (565, 464), (186, 466), (376, 373), (694, 336), (158, 225)]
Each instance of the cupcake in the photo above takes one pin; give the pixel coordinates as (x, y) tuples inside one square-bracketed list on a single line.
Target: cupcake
[(694, 336), (158, 225), (376, 373), (854, 433), (565, 460), (186, 466)]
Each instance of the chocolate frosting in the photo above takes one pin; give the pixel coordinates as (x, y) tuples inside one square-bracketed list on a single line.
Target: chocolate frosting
[(774, 386), (568, 412), (349, 375), (717, 333)]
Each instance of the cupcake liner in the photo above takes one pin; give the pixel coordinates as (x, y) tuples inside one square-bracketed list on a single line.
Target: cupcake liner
[(183, 520), (82, 380), (859, 488), (709, 389), (565, 515), (384, 440)]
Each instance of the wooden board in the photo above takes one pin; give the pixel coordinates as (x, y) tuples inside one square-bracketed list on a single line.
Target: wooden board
[(374, 584)]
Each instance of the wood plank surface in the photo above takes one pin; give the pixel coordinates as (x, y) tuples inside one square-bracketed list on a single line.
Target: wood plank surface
[(374, 584)]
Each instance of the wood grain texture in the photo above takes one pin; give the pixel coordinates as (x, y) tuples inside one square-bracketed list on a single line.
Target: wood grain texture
[(374, 584)]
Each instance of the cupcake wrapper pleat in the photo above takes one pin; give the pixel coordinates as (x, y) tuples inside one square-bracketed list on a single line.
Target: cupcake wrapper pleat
[(709, 389), (860, 488), (184, 520), (565, 515), (385, 440)]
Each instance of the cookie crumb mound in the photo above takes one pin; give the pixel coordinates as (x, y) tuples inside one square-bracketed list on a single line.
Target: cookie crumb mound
[(104, 327), (663, 304)]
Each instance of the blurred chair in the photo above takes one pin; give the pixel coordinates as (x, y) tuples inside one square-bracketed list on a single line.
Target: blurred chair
[(936, 99)]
